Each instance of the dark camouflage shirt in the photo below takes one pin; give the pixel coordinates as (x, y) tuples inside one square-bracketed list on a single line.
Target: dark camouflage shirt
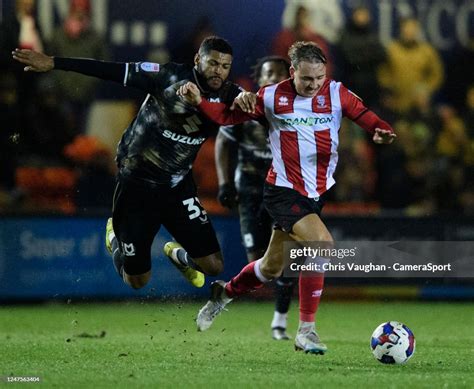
[(162, 142), (254, 152)]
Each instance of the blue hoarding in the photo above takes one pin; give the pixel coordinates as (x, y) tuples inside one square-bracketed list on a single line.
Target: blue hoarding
[(66, 257)]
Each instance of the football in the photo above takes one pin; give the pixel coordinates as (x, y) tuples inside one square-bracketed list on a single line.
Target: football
[(392, 343)]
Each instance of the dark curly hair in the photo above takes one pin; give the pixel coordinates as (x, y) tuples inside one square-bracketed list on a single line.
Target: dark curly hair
[(215, 43)]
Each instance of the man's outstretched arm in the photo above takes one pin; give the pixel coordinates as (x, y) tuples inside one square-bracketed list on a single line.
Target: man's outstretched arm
[(39, 62), (354, 109)]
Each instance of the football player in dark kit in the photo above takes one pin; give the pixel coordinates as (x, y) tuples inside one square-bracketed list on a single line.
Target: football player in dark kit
[(250, 140), (155, 186)]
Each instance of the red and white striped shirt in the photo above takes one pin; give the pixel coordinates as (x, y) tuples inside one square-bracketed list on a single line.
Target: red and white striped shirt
[(303, 131)]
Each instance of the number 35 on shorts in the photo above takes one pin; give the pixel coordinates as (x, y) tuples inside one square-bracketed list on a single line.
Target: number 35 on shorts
[(195, 209)]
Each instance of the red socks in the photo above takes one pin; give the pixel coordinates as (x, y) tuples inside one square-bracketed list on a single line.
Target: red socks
[(310, 288), (246, 281)]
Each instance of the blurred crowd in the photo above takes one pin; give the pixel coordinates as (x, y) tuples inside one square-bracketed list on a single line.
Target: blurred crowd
[(49, 162), (429, 169)]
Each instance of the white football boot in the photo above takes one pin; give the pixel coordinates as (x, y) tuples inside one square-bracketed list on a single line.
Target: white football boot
[(213, 307), (307, 340)]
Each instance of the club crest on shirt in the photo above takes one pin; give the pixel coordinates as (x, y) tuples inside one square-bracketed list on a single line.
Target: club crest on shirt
[(321, 100), (150, 67), (283, 100)]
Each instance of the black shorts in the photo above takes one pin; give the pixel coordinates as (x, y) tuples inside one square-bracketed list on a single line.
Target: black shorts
[(287, 206), (255, 222), (139, 211)]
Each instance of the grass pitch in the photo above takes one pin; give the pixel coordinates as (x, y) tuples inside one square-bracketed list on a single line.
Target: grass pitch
[(155, 344)]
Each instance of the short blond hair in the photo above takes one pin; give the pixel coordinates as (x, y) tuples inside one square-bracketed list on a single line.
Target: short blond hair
[(306, 51)]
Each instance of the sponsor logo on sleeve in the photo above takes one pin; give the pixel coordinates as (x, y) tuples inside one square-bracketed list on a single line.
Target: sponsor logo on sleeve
[(150, 67)]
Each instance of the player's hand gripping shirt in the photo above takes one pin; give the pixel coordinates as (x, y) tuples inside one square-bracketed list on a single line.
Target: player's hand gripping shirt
[(303, 131)]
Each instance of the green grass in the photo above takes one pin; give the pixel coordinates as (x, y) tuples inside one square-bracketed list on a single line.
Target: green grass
[(156, 345)]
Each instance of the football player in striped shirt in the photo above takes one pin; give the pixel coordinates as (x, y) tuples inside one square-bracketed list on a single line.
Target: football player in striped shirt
[(304, 115), (244, 185)]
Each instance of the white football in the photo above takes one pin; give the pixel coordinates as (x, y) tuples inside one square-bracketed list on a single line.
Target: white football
[(393, 342)]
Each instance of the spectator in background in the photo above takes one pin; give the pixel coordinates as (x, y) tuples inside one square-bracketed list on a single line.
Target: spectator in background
[(417, 147), (76, 38), (467, 195), (404, 181), (468, 114), (461, 75), (392, 176), (356, 173), (19, 30), (17, 89), (452, 140), (361, 54), (300, 31), (423, 116), (326, 17), (451, 148), (51, 127), (95, 171), (411, 65)]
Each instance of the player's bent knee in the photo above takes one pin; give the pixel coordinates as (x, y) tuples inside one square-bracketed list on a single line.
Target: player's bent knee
[(137, 281), (212, 264)]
